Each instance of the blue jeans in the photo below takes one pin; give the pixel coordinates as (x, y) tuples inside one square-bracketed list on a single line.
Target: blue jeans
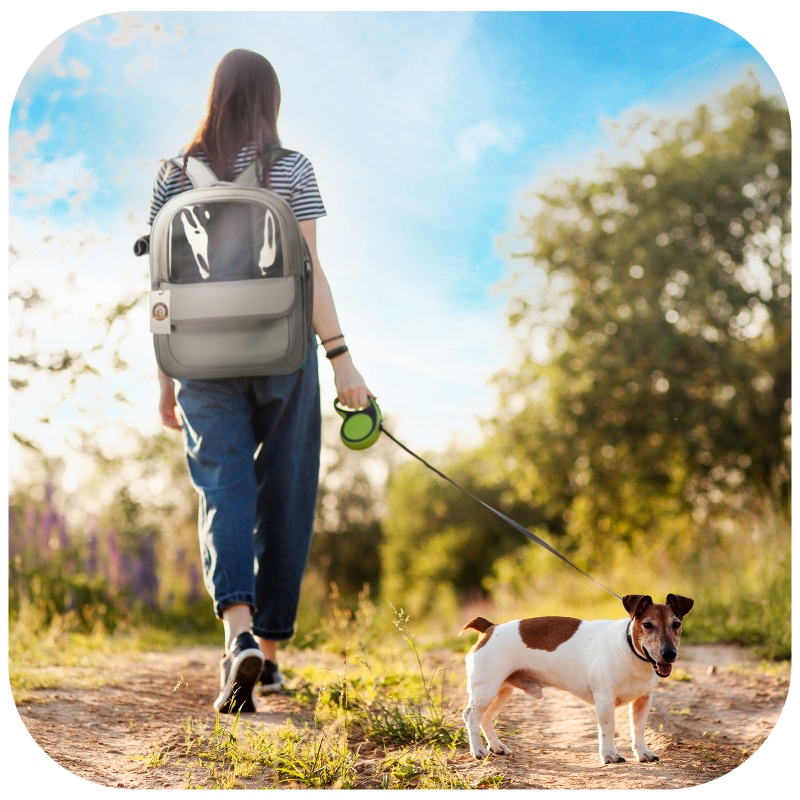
[(253, 445)]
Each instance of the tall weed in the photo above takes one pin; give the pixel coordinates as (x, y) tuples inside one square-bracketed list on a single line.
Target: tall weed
[(316, 758), (743, 587), (422, 717), (384, 694)]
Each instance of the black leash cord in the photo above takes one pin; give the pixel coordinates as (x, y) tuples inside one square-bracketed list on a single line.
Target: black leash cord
[(532, 536)]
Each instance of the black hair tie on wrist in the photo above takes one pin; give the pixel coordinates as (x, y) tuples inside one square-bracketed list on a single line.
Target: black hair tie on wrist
[(337, 351), (332, 339)]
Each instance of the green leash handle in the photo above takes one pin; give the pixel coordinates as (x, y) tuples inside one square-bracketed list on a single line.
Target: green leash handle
[(361, 428)]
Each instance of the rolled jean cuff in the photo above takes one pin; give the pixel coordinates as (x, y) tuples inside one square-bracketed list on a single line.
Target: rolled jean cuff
[(272, 635), (232, 599)]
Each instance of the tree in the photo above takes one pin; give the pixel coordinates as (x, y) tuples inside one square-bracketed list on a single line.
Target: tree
[(666, 299)]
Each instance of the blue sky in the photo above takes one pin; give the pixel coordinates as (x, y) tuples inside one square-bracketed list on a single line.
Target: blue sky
[(425, 129)]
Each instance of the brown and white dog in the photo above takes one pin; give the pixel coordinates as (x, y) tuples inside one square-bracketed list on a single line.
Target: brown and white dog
[(604, 662)]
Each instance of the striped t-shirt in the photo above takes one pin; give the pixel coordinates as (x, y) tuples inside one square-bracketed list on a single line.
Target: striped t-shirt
[(292, 177)]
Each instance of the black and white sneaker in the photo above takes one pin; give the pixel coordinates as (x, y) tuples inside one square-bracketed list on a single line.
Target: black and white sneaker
[(240, 669), (271, 679)]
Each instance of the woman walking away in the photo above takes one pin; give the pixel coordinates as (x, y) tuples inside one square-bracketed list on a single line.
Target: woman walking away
[(253, 443)]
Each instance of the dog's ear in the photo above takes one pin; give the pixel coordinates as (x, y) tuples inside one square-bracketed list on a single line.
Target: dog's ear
[(680, 605), (637, 604)]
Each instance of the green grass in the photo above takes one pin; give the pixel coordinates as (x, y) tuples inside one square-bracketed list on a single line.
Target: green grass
[(751, 604), (372, 705), (313, 756), (378, 694), (425, 718), (383, 689), (39, 646), (371, 712), (427, 767), (41, 643), (221, 757)]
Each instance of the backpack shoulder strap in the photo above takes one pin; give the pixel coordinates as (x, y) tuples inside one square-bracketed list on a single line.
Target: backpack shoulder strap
[(199, 174), (253, 174)]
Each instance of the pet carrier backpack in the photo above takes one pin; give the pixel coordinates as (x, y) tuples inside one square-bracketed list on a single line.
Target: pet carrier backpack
[(231, 278)]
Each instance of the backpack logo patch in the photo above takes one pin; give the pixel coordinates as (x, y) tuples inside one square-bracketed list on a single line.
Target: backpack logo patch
[(159, 311)]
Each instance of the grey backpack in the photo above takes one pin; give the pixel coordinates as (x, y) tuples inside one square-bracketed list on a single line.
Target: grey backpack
[(231, 278)]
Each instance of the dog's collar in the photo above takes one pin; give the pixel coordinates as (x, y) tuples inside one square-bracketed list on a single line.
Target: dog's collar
[(649, 659)]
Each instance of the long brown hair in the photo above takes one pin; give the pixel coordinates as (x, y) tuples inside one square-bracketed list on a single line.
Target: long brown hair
[(242, 108)]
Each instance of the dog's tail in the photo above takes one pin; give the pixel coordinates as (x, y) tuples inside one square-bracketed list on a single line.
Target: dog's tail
[(478, 624)]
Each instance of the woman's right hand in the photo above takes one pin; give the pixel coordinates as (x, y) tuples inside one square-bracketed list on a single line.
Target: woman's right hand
[(167, 406), (351, 390)]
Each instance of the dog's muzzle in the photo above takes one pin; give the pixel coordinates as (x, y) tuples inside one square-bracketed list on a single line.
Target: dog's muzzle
[(663, 667)]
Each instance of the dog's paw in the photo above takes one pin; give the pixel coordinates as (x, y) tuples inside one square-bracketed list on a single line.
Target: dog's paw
[(501, 750), (611, 758), (478, 753), (645, 755)]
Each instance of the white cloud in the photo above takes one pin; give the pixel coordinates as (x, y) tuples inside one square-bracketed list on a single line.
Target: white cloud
[(23, 143), (141, 70), (474, 142), (128, 25), (49, 60), (43, 182), (79, 69)]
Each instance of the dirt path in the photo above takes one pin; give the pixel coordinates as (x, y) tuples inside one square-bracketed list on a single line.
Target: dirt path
[(703, 726)]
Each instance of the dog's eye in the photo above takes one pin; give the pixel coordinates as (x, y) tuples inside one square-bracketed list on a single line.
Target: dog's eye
[(647, 625), (676, 625)]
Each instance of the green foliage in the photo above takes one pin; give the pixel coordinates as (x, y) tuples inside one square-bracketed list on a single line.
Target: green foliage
[(439, 543), (105, 567), (347, 531), (342, 627), (401, 715), (664, 289), (384, 696), (60, 594), (316, 759), (426, 768), (743, 584), (221, 757), (47, 568), (737, 569)]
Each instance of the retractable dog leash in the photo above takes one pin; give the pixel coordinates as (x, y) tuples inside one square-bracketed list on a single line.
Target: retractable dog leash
[(362, 428)]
